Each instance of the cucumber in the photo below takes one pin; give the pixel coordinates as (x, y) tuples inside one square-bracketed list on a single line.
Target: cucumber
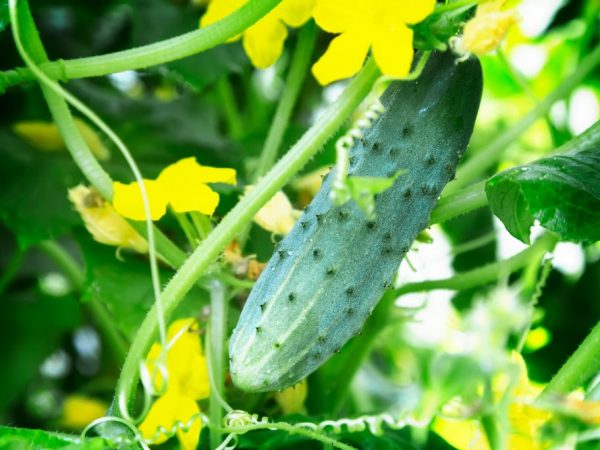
[(327, 275)]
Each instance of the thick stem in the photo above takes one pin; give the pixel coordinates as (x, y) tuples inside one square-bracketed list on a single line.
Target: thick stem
[(218, 335), (158, 53), (242, 214), (489, 155), (579, 368)]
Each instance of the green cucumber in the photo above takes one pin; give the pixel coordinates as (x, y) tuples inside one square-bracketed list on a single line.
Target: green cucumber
[(328, 274)]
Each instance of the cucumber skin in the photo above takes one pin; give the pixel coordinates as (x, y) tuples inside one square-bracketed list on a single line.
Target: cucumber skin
[(327, 275)]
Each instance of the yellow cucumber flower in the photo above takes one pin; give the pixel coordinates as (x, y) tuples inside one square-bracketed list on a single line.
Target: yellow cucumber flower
[(103, 222), (183, 185), (187, 383), (379, 25), (277, 215), (80, 410), (263, 41), (484, 32), (46, 137), (525, 420), (291, 400)]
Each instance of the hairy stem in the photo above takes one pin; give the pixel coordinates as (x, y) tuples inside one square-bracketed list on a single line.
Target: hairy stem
[(579, 368), (154, 54), (242, 214)]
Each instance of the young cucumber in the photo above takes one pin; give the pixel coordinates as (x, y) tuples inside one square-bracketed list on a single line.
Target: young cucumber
[(328, 274)]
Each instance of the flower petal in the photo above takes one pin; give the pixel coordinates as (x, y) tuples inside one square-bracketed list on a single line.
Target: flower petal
[(166, 412), (187, 170), (295, 12), (183, 184), (263, 41), (218, 9), (103, 222), (338, 16), (414, 11), (127, 200), (393, 51), (343, 58), (277, 215), (186, 361)]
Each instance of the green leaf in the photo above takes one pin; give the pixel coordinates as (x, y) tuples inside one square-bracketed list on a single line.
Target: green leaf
[(562, 192), (26, 439), (125, 287), (33, 198)]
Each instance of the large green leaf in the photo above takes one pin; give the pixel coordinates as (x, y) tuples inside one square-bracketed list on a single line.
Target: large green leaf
[(562, 192), (26, 439), (125, 287), (33, 198)]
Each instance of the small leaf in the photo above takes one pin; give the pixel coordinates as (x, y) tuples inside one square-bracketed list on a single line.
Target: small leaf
[(363, 190), (562, 192)]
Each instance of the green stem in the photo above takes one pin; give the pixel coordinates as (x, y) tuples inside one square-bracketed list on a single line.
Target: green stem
[(188, 228), (235, 123), (579, 368), (99, 314), (293, 83), (201, 223), (459, 203), (489, 155), (218, 335), (310, 143), (11, 269), (160, 52), (485, 274)]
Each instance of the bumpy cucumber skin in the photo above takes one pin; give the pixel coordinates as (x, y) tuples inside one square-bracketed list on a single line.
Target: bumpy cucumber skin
[(327, 275)]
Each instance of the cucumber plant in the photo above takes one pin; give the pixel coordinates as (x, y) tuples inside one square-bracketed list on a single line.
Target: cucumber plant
[(328, 274)]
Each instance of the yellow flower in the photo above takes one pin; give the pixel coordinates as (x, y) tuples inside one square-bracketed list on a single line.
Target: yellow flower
[(263, 41), (291, 400), (103, 222), (80, 410), (277, 216), (46, 137), (182, 185), (484, 32), (525, 420), (187, 383), (379, 25)]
